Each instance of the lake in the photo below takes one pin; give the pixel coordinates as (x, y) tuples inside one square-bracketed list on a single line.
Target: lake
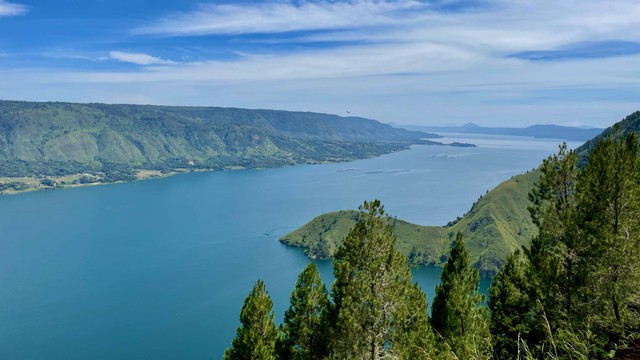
[(159, 269)]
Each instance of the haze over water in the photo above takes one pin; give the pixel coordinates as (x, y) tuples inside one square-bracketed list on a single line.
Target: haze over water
[(159, 269)]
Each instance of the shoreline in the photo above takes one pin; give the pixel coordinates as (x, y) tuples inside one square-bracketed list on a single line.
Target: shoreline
[(72, 181)]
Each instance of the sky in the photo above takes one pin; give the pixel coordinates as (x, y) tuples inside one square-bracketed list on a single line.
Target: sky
[(439, 62)]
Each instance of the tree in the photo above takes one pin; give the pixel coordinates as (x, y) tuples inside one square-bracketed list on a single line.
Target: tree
[(584, 262), (556, 253), (511, 307), (609, 211), (456, 314), (305, 322), (378, 311), (257, 334)]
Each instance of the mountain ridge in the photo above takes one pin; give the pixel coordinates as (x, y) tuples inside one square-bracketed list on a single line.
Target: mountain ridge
[(62, 143), (542, 131)]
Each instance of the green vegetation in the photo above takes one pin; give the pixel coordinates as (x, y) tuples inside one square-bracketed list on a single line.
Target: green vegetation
[(377, 310), (456, 313), (257, 335), (575, 294), (497, 224), (572, 294), (305, 331), (630, 124), (115, 142)]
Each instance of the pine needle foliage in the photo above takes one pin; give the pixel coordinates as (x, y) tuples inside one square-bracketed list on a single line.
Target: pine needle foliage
[(378, 312), (257, 334), (305, 327), (457, 315)]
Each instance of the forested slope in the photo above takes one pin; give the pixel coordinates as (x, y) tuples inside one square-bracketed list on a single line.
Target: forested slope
[(113, 142)]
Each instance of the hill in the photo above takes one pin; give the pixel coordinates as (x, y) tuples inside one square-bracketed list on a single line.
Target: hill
[(631, 123), (497, 223), (499, 214), (537, 131), (49, 144)]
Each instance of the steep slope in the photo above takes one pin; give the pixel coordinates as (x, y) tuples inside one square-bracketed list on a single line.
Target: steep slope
[(497, 223), (631, 123), (500, 214), (113, 142)]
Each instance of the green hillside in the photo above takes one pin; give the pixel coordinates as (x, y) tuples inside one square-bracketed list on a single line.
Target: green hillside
[(103, 143), (497, 223), (631, 123), (500, 214)]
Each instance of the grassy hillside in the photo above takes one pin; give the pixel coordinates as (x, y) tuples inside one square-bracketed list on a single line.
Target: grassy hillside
[(114, 142), (321, 237), (631, 123), (497, 223)]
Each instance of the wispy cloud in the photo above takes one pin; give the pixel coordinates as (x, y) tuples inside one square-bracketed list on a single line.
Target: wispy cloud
[(498, 28), (138, 58), (400, 60), (278, 17), (11, 9), (587, 50)]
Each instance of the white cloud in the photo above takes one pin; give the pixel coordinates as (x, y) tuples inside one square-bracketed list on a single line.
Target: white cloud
[(496, 25), (276, 17), (138, 58), (11, 9), (392, 60)]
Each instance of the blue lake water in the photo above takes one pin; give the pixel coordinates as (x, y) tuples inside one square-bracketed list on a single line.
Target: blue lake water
[(159, 268)]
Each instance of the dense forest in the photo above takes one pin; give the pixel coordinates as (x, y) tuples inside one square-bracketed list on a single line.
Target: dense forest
[(106, 143), (572, 294)]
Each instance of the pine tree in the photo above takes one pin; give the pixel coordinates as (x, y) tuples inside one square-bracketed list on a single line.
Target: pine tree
[(378, 312), (257, 334), (414, 340), (556, 253), (511, 307), (583, 263), (456, 315), (610, 213), (305, 322)]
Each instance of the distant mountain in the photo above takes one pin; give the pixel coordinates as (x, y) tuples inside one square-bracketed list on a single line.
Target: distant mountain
[(497, 223), (536, 131), (103, 143)]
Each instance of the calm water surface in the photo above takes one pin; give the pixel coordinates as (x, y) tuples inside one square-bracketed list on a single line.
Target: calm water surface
[(159, 269)]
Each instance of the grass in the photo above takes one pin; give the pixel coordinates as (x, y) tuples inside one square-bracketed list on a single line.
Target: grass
[(497, 224)]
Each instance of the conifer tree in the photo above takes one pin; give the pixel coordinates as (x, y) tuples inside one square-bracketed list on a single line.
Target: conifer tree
[(609, 214), (555, 255), (583, 263), (257, 334), (414, 340), (378, 312), (511, 307), (305, 328), (456, 314)]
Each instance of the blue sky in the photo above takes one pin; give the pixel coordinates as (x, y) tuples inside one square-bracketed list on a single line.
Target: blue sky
[(495, 62)]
